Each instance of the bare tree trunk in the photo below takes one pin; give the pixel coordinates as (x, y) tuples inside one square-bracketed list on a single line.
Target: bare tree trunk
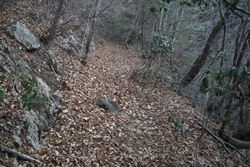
[(97, 3), (161, 20), (133, 25), (176, 26), (237, 63), (200, 61), (241, 113), (86, 32), (143, 33), (179, 13), (52, 30)]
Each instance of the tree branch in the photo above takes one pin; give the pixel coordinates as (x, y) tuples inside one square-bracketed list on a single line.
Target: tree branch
[(223, 142), (18, 154), (235, 7)]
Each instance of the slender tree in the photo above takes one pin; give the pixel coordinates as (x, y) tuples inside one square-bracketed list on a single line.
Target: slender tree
[(201, 59), (91, 28)]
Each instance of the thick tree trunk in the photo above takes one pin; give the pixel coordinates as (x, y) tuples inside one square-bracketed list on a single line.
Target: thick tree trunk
[(239, 144), (200, 61)]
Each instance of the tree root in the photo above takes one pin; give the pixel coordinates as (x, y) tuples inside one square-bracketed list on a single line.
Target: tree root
[(18, 154), (240, 144), (224, 143)]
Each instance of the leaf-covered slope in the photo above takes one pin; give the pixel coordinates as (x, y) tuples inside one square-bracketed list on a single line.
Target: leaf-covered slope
[(139, 136)]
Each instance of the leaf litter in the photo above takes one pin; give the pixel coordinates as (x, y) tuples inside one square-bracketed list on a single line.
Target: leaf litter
[(140, 135)]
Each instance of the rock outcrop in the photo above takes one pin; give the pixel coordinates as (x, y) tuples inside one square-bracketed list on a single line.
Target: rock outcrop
[(41, 117), (24, 36), (72, 44)]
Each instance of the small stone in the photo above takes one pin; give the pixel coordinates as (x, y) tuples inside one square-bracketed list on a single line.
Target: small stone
[(17, 140), (2, 113), (185, 128), (85, 118), (217, 159)]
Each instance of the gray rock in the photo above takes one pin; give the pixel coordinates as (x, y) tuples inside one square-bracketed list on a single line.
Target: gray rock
[(72, 44), (17, 140), (48, 113), (44, 86), (31, 121), (4, 68), (186, 111), (185, 128), (24, 36), (15, 163), (18, 61), (41, 117), (107, 104), (3, 45)]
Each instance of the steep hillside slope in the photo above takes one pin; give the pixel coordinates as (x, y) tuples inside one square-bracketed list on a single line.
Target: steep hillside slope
[(85, 135), (140, 135)]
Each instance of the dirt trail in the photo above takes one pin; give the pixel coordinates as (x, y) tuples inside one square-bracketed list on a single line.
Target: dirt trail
[(140, 136)]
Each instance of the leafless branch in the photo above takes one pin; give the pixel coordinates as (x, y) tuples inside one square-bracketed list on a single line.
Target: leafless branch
[(235, 7), (224, 143), (18, 154)]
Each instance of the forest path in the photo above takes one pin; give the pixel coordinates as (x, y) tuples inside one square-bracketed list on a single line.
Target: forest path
[(141, 135)]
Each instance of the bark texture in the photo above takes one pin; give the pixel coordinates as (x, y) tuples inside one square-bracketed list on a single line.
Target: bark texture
[(200, 61)]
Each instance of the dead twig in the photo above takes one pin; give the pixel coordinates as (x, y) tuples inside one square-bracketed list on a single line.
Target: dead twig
[(18, 154), (214, 136), (224, 143)]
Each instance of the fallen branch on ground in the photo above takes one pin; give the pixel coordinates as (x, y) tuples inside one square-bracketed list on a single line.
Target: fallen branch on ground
[(214, 136), (18, 154), (223, 142)]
